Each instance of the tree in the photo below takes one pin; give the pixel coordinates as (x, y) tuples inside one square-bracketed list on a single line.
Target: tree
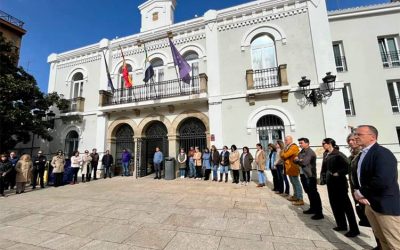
[(22, 104)]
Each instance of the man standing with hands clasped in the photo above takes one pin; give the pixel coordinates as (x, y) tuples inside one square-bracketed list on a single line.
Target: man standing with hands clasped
[(377, 188)]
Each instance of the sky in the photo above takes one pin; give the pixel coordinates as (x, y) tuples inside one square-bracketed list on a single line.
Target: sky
[(56, 26)]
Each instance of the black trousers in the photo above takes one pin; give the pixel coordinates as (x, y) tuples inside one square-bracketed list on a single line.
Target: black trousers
[(76, 170), (58, 179), (199, 173), (107, 171), (340, 202), (38, 172), (246, 175), (94, 166), (2, 183), (310, 187), (207, 173), (274, 173), (10, 178), (235, 175)]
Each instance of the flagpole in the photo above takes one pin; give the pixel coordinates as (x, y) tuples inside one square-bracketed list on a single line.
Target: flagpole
[(170, 36), (123, 59)]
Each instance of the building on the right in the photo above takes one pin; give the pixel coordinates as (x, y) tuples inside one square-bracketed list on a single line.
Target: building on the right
[(365, 43)]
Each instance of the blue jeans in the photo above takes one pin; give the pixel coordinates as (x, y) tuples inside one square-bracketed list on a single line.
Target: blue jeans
[(125, 166), (192, 169), (182, 172), (215, 172), (223, 169), (261, 177), (298, 191)]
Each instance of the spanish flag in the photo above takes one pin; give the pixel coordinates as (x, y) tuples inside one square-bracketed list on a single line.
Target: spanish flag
[(125, 72)]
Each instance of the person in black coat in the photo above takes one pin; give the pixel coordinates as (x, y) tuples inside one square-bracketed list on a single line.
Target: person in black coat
[(107, 162), (335, 167), (5, 168), (224, 164), (39, 166), (376, 186)]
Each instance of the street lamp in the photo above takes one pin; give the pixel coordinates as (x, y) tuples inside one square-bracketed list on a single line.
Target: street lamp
[(317, 95)]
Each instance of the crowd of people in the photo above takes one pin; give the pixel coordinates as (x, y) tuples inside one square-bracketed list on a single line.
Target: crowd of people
[(372, 171)]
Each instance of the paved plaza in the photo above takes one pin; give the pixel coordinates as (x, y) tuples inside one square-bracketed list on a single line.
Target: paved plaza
[(129, 213)]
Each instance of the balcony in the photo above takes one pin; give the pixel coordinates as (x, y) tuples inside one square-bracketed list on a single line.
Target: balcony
[(158, 91), (391, 59), (11, 19), (341, 65), (267, 81), (76, 105)]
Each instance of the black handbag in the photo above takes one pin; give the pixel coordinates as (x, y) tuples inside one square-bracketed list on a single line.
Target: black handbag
[(322, 179), (360, 210)]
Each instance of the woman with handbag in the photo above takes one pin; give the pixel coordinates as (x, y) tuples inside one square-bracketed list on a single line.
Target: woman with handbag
[(335, 167)]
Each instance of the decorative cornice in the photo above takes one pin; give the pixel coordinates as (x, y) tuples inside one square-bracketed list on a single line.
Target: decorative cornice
[(364, 10), (265, 16), (75, 62)]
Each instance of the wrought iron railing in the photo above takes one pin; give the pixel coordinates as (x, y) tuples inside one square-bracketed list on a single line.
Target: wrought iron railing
[(341, 64), (11, 19), (266, 78), (391, 59), (154, 91)]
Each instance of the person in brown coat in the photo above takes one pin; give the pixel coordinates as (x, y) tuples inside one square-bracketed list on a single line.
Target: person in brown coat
[(58, 163), (214, 162), (245, 164), (288, 155), (198, 163), (260, 162), (24, 169)]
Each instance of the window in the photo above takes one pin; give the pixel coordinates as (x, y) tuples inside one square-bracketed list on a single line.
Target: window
[(263, 53), (398, 133), (158, 66), (193, 59), (348, 100), (270, 128), (389, 49), (71, 143), (77, 85), (394, 90), (155, 16), (340, 59)]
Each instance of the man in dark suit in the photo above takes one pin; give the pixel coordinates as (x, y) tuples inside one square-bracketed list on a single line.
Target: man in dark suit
[(377, 188)]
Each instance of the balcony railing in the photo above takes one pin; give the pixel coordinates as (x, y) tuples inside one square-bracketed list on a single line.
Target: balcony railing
[(11, 19), (266, 78), (76, 105), (341, 64), (155, 91), (391, 59)]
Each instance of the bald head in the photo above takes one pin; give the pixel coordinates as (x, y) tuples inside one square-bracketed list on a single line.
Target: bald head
[(288, 139)]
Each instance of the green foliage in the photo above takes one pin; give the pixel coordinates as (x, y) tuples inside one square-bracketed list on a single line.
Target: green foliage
[(23, 106)]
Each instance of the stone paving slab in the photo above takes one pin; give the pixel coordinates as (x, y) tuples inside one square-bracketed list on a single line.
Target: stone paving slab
[(130, 213)]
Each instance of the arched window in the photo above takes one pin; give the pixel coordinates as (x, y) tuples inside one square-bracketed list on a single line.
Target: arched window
[(77, 85), (71, 142), (263, 52), (158, 66), (193, 59), (270, 128)]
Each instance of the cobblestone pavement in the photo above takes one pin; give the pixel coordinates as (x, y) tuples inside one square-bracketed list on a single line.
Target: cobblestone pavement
[(129, 213)]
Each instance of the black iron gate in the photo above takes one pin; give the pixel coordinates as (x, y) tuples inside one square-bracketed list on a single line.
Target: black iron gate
[(192, 133), (124, 140), (156, 136), (270, 128)]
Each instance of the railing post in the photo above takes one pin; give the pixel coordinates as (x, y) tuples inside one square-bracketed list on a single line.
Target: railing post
[(283, 80), (203, 82), (104, 97), (250, 79), (80, 104)]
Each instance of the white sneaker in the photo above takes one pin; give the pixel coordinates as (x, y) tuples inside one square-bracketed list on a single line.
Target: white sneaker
[(182, 177), (245, 183)]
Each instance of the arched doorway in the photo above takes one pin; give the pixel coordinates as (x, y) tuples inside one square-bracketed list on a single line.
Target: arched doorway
[(270, 128), (156, 135), (71, 143), (123, 140), (192, 132)]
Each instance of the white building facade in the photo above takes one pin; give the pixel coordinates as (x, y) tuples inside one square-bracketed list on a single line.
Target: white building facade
[(246, 64)]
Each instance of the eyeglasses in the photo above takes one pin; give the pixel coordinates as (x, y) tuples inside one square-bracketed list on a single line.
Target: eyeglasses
[(358, 134)]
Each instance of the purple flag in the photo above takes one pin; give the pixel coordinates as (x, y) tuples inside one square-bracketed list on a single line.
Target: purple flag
[(184, 68)]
